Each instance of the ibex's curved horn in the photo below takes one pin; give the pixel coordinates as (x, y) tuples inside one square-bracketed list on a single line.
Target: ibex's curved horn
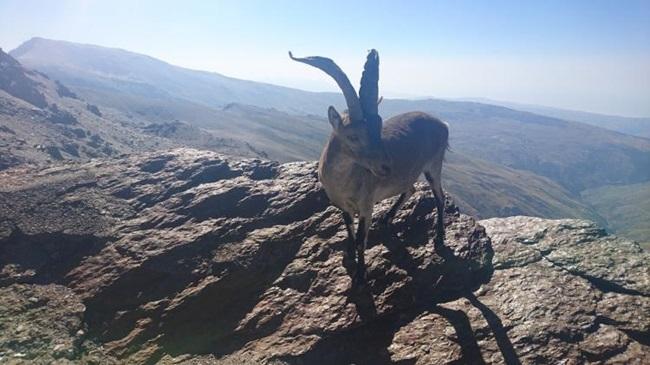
[(369, 90), (329, 67)]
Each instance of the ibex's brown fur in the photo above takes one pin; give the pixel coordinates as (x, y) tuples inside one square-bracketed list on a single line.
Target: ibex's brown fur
[(364, 163)]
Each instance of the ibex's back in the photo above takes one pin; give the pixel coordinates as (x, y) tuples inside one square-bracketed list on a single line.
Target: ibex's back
[(416, 143)]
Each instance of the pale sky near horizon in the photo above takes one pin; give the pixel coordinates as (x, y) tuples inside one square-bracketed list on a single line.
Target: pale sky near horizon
[(584, 55)]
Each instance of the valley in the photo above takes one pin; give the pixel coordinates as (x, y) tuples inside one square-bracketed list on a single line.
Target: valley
[(626, 209)]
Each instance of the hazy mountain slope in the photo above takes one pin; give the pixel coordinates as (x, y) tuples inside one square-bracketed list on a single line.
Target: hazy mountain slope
[(149, 90), (41, 120), (104, 69), (576, 155), (283, 136), (626, 209), (633, 126), (484, 189)]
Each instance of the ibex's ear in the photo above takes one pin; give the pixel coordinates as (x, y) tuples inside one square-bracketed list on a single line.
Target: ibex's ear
[(335, 118)]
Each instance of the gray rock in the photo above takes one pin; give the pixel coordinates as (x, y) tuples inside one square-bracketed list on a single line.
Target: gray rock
[(566, 291), (193, 257), (189, 252)]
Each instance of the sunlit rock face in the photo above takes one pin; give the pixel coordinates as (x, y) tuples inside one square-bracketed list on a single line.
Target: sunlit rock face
[(191, 257)]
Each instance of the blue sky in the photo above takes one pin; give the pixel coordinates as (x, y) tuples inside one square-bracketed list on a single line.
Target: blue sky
[(586, 55)]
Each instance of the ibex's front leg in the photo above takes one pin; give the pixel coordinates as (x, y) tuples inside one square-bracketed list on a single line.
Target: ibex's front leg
[(365, 218), (349, 227)]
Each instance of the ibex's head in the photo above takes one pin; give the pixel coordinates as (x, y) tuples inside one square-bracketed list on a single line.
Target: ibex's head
[(359, 128)]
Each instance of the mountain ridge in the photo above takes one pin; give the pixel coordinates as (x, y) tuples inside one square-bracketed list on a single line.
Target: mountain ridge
[(574, 155), (272, 133), (637, 126), (616, 158), (248, 92)]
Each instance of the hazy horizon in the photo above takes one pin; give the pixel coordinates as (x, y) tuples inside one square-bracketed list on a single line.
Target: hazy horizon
[(586, 56)]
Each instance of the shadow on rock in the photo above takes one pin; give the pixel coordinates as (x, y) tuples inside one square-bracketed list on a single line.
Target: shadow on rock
[(447, 274), (500, 333), (433, 275), (44, 258)]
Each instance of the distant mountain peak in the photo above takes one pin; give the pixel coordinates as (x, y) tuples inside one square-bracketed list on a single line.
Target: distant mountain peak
[(26, 46)]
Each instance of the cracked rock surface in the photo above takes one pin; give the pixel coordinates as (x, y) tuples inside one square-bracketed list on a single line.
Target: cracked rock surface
[(191, 257), (566, 291)]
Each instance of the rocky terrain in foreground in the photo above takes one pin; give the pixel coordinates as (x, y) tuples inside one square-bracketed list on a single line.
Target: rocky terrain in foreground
[(191, 257)]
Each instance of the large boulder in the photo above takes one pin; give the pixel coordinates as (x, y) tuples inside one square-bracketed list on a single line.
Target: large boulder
[(192, 253), (562, 292), (193, 257)]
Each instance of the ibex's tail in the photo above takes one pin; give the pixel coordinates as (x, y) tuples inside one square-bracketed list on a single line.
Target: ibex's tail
[(445, 137), (444, 140)]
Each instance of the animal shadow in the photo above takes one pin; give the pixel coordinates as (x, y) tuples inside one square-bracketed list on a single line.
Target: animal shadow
[(449, 279)]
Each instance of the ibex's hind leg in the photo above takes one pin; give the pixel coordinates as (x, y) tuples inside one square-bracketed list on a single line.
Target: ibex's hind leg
[(387, 217), (433, 177)]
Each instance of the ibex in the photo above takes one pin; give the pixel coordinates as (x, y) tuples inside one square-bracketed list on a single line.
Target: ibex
[(363, 163)]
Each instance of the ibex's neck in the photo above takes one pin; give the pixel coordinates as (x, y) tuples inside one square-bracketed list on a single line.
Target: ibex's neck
[(335, 162), (348, 185)]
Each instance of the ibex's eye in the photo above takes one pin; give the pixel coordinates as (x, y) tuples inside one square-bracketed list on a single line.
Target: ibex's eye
[(353, 139)]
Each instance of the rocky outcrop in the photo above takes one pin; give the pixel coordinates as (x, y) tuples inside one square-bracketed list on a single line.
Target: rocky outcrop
[(193, 257), (564, 289), (562, 292)]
